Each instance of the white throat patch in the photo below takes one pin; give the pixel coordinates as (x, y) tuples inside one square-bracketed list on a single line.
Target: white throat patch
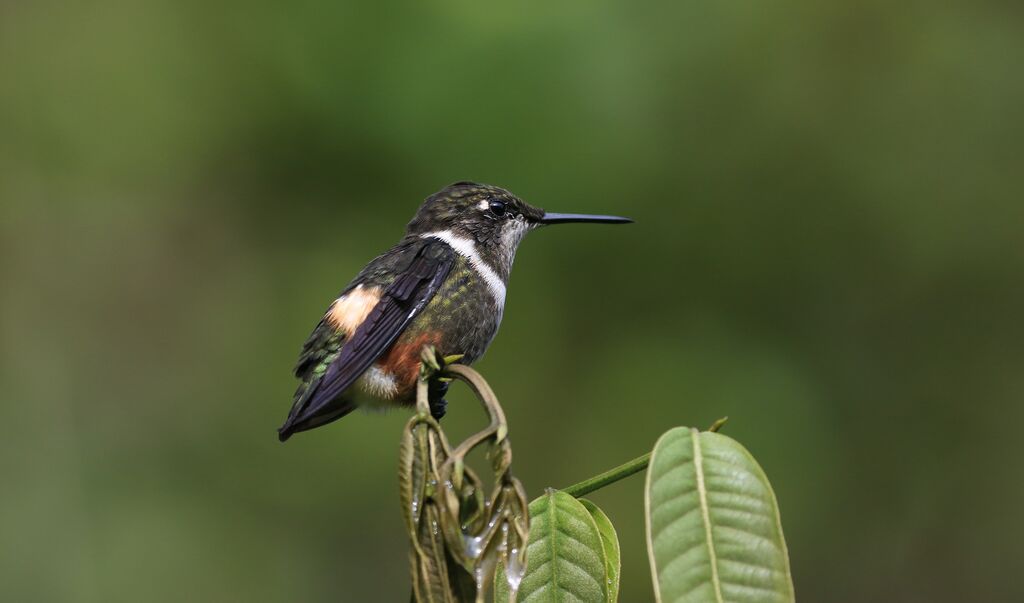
[(467, 249)]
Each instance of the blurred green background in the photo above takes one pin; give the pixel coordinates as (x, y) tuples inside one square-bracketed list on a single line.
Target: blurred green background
[(828, 249)]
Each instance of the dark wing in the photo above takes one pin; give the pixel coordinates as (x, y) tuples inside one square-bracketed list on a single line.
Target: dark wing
[(399, 304), (323, 342)]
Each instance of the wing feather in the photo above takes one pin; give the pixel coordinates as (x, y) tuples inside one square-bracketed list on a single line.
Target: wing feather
[(399, 304)]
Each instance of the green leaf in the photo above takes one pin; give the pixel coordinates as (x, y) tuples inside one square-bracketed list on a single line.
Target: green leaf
[(713, 529), (610, 542), (565, 555)]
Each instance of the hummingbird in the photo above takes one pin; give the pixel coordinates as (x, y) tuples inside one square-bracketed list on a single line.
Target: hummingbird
[(443, 284)]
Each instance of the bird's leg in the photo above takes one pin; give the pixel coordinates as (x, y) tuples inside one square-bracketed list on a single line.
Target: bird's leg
[(435, 395)]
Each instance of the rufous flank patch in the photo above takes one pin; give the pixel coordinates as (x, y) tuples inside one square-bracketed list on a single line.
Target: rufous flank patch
[(403, 359)]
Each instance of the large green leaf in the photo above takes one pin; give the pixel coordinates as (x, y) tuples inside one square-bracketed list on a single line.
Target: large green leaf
[(610, 541), (713, 529), (565, 555)]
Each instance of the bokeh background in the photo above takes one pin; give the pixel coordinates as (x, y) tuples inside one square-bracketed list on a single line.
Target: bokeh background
[(827, 249)]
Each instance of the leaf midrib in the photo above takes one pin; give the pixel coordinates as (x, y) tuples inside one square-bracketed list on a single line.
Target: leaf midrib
[(552, 514), (698, 463)]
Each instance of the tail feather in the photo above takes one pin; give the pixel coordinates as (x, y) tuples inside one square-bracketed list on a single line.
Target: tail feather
[(332, 412), (300, 419)]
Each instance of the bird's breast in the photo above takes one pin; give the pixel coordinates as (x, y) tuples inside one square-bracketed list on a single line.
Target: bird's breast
[(464, 313)]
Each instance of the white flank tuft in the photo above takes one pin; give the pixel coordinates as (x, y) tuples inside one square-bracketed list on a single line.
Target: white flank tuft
[(378, 383)]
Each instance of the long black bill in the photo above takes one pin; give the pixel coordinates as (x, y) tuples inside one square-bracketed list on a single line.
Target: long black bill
[(555, 218)]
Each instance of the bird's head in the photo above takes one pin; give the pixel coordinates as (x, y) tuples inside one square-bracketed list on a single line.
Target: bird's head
[(492, 218)]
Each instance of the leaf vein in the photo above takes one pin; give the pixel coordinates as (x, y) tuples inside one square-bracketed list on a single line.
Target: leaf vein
[(698, 463)]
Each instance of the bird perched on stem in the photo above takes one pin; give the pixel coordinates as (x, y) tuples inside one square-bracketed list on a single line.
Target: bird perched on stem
[(443, 285)]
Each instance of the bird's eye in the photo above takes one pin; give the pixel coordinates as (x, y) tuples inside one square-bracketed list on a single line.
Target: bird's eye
[(497, 208)]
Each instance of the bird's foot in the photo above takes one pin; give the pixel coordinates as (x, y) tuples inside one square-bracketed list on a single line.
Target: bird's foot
[(435, 395), (438, 408)]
